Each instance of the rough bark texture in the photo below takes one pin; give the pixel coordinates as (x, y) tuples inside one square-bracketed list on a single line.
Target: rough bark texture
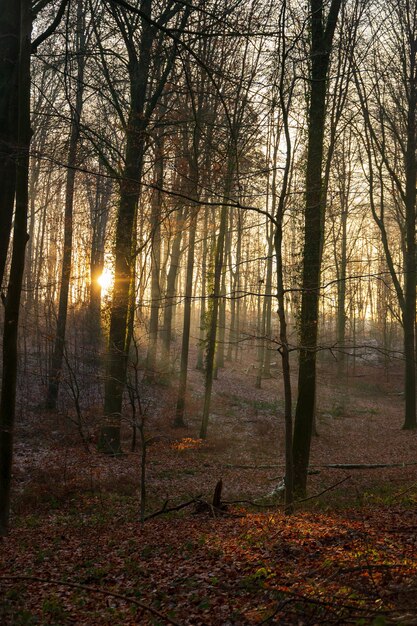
[(9, 55), (179, 415), (409, 313), (321, 41), (58, 355), (117, 353), (11, 315), (166, 334), (214, 302), (156, 258)]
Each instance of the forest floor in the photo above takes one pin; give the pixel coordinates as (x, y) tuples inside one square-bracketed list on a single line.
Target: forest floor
[(77, 553)]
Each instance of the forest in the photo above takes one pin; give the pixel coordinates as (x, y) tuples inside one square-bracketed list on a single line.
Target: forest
[(208, 281)]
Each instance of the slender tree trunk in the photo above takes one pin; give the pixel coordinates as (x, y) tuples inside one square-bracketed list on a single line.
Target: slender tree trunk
[(222, 319), (99, 218), (155, 257), (266, 366), (200, 348), (179, 415), (214, 302), (321, 41), (58, 354), (409, 314), (235, 297), (286, 372), (170, 292), (341, 295)]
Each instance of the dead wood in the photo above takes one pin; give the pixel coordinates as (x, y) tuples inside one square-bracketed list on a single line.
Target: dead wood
[(166, 509), (359, 466), (216, 507), (217, 497), (64, 583), (349, 466)]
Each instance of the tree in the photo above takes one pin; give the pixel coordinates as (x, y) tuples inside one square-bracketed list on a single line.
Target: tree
[(140, 34), (390, 118), (9, 59), (322, 32), (76, 111), (19, 195)]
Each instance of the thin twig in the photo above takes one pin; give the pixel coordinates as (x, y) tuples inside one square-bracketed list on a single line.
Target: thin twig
[(271, 506), (317, 495), (64, 583), (165, 509)]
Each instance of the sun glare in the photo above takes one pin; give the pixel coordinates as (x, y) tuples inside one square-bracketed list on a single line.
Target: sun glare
[(105, 280)]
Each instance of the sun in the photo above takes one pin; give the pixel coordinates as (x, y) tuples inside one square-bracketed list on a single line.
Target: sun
[(105, 280)]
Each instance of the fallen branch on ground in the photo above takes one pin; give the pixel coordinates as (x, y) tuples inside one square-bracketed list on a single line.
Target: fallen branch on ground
[(330, 606), (348, 466), (352, 466), (317, 495), (273, 506), (165, 508), (46, 581)]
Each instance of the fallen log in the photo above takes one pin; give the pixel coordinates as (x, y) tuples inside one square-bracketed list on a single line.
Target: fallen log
[(352, 466), (348, 466)]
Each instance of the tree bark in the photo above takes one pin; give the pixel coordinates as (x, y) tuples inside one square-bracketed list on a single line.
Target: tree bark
[(409, 314), (11, 315), (155, 257), (321, 41), (214, 301), (170, 291), (179, 415), (58, 354), (9, 60)]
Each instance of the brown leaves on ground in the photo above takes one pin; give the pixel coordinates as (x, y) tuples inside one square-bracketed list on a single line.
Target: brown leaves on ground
[(347, 557), (307, 569)]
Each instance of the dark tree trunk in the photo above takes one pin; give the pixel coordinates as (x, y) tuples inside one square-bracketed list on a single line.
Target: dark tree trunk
[(109, 441), (9, 58), (409, 313), (166, 333), (321, 41), (58, 354), (200, 347), (99, 218), (11, 315), (179, 415), (155, 257), (118, 346), (214, 300)]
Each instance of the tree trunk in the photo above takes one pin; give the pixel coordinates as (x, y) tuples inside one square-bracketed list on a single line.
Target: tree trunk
[(109, 440), (99, 217), (214, 302), (170, 292), (179, 415), (155, 257), (409, 314), (57, 359), (321, 41), (9, 59), (11, 315), (139, 115), (200, 348), (341, 294)]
